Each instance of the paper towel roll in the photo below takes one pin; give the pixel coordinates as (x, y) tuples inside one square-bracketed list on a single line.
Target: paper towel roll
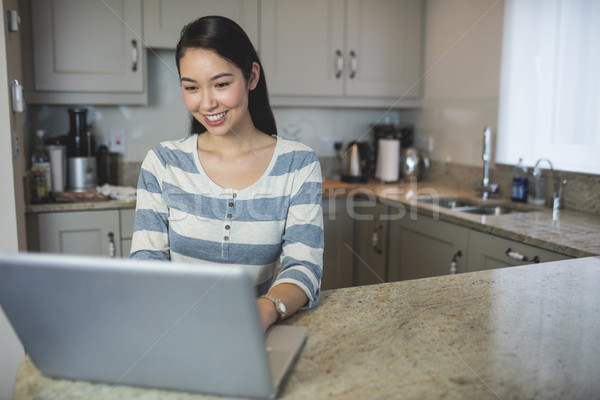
[(388, 160), (58, 167)]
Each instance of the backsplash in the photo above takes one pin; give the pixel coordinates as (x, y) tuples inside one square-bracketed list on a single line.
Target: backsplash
[(582, 192)]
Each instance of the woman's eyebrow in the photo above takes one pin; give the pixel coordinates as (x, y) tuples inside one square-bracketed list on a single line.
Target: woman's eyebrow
[(221, 75), (214, 78)]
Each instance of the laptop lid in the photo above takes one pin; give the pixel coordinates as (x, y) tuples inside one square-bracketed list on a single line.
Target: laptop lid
[(176, 326)]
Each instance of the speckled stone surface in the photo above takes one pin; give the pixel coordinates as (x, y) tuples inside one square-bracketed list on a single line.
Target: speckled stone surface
[(512, 333), (572, 233)]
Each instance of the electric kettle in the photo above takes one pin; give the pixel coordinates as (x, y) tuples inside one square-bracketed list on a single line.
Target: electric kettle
[(357, 162)]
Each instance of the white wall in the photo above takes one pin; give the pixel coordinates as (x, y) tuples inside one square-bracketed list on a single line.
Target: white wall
[(11, 351), (463, 45)]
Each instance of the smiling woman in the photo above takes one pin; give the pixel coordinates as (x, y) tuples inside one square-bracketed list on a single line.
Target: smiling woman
[(233, 192)]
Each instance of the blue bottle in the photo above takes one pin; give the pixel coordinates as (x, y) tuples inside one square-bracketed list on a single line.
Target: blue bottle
[(519, 183)]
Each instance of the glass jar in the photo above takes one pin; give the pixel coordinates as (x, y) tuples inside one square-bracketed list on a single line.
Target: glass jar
[(38, 187)]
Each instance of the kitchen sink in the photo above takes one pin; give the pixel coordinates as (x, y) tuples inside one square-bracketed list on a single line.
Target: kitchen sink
[(474, 206)]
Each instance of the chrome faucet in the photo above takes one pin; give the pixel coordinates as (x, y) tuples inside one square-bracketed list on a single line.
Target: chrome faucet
[(486, 188)]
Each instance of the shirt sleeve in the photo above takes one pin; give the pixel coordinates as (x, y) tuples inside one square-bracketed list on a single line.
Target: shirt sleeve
[(302, 248), (150, 230)]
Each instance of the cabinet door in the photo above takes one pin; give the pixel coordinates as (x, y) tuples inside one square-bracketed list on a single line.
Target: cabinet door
[(337, 255), (384, 48), (88, 46), (163, 19), (422, 247), (489, 252), (85, 233), (370, 242), (301, 44), (127, 218)]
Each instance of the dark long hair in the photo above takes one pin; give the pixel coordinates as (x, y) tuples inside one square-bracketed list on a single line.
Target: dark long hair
[(229, 40)]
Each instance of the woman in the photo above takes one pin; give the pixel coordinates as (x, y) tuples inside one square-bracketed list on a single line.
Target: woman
[(233, 192)]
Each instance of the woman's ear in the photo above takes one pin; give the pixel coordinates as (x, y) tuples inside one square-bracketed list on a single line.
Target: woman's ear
[(254, 76)]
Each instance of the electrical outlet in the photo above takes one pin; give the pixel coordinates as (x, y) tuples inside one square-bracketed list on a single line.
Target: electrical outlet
[(328, 145), (118, 141), (424, 143)]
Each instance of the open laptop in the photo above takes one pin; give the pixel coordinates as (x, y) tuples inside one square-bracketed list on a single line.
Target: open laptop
[(185, 327)]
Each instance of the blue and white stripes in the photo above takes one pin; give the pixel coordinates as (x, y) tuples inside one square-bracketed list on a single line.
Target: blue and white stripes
[(182, 215)]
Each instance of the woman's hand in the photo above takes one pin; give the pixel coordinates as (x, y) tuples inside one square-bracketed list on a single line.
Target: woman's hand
[(292, 297)]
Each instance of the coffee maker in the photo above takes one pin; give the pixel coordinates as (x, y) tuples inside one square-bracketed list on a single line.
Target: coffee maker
[(81, 149)]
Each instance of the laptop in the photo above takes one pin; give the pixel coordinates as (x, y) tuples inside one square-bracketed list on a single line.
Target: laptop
[(156, 324)]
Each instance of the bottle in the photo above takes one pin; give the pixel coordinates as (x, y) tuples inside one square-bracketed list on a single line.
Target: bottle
[(519, 183), (40, 160)]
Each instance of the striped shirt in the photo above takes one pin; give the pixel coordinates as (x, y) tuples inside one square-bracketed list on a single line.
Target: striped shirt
[(274, 227)]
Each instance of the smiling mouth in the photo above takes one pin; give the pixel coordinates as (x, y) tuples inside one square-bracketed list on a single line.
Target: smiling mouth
[(215, 117)]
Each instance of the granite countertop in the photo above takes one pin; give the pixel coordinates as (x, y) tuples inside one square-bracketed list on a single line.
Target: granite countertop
[(518, 333), (573, 233)]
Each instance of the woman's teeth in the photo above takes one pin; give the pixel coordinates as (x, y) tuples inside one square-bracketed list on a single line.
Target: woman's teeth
[(216, 117)]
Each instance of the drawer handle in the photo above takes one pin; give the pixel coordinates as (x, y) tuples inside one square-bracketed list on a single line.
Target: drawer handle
[(111, 244), (515, 255), (376, 239), (453, 262), (340, 64)]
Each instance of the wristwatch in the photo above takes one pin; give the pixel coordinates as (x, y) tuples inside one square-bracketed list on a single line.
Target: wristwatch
[(279, 306)]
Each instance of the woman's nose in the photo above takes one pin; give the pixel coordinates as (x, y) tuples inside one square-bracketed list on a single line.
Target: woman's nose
[(208, 101)]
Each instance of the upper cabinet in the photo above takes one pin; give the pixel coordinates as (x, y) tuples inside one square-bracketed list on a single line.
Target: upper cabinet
[(163, 19), (347, 52), (87, 51)]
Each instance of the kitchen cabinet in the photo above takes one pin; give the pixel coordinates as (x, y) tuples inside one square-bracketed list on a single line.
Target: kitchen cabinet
[(163, 19), (87, 52), (489, 252), (127, 218), (93, 233), (422, 247), (338, 228), (353, 49), (370, 241)]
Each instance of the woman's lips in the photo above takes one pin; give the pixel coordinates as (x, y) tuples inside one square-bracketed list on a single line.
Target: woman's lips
[(215, 119)]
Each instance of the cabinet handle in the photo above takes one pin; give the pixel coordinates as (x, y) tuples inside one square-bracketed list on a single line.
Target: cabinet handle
[(340, 64), (376, 239), (111, 244), (453, 262), (515, 255), (134, 55), (353, 64)]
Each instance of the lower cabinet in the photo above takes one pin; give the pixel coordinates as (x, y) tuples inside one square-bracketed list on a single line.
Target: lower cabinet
[(370, 241), (95, 233), (488, 252), (338, 227), (421, 247)]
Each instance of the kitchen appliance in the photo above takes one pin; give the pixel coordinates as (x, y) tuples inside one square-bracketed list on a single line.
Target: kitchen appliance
[(357, 162), (107, 166), (81, 152), (411, 163)]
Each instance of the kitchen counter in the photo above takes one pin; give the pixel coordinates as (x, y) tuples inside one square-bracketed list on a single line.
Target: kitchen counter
[(518, 333), (574, 233)]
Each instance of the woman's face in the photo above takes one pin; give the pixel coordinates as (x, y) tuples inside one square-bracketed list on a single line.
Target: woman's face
[(215, 91)]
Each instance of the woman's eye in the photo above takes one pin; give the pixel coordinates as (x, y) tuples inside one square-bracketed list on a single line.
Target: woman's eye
[(189, 88), (222, 84)]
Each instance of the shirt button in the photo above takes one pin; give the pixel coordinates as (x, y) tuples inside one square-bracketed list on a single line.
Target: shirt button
[(226, 238), (227, 227), (231, 204), (234, 195), (229, 215)]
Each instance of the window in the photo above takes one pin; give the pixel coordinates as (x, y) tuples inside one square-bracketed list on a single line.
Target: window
[(550, 84)]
